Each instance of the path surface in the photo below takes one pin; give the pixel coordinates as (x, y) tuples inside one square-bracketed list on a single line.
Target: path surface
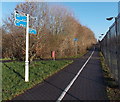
[(89, 85)]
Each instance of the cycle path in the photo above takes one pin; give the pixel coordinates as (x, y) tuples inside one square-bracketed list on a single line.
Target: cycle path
[(89, 85)]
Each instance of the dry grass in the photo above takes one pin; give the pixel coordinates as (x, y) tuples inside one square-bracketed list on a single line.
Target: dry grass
[(112, 88)]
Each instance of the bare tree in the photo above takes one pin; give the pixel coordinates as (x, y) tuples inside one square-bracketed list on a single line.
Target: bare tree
[(56, 29)]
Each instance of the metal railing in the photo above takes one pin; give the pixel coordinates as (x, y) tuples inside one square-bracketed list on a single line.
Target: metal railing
[(110, 47)]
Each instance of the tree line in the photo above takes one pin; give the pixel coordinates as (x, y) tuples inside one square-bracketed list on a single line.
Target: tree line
[(56, 29)]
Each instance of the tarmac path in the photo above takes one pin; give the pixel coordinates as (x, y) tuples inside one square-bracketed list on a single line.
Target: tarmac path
[(81, 80)]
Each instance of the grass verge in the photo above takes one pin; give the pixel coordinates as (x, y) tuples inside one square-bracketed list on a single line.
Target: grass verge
[(13, 76), (112, 88), (4, 59)]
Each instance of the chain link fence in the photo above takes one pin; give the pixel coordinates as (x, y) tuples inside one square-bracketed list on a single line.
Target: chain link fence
[(110, 47)]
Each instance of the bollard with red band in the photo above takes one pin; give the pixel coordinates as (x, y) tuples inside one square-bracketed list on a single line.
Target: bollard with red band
[(53, 55)]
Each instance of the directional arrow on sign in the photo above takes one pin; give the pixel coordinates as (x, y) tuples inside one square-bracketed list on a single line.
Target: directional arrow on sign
[(20, 17), (32, 31), (20, 23)]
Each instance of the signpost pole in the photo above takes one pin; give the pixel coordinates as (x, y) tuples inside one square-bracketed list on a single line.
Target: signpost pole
[(22, 20), (75, 43), (27, 52)]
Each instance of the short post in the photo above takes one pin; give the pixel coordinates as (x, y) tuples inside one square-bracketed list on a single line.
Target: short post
[(53, 55), (76, 47), (27, 52)]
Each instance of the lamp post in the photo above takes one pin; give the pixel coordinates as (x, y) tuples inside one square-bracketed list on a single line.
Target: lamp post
[(102, 34), (117, 55), (100, 42)]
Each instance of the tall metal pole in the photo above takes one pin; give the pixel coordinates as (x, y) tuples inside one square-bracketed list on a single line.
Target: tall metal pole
[(27, 52)]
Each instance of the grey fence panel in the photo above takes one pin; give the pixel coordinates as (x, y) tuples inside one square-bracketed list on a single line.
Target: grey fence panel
[(118, 44), (110, 47), (113, 51)]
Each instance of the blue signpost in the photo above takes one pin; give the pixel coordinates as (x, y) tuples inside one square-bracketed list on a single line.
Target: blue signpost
[(32, 31), (75, 43), (75, 39), (21, 19), (20, 23)]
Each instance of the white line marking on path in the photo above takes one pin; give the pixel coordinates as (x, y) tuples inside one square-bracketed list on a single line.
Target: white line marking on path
[(73, 80)]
